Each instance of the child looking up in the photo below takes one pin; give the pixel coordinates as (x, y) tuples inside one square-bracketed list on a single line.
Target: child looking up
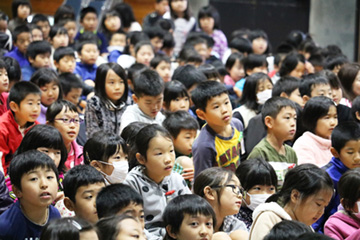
[(4, 87), (64, 60), (20, 9)]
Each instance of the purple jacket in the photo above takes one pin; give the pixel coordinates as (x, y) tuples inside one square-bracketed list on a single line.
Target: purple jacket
[(341, 226)]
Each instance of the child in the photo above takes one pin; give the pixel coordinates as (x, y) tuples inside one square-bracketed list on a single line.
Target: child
[(47, 80), (64, 60), (162, 65), (63, 115), (144, 52), (42, 21), (148, 96), (293, 65), (116, 46), (259, 181), (133, 72), (35, 183), (72, 88), (20, 9), (110, 23), (70, 25), (58, 37), (24, 102), (198, 42), (259, 41), (105, 109), (219, 141), (154, 178), (279, 117), (306, 191), (127, 18), (348, 74), (81, 185), (36, 33), (314, 85), (288, 229), (222, 189), (345, 223), (176, 97), (319, 118), (235, 69), (156, 36), (107, 153), (189, 217), (161, 7), (4, 87), (13, 70), (288, 87), (38, 54), (355, 109)]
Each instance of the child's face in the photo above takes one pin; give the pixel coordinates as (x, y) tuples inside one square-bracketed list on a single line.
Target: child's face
[(37, 34), (183, 142), (136, 211), (60, 40), (66, 64), (144, 55), (23, 40), (68, 131), (90, 22), (3, 26), (157, 43), (71, 29), (230, 201), (150, 105), (264, 85), (295, 96), (89, 53), (207, 24), (336, 95), (162, 7), (299, 71), (356, 85), (259, 45), (109, 168), (45, 28), (163, 69), (259, 189), (195, 227), (237, 71), (41, 61), (202, 50), (4, 80), (284, 125), (114, 86), (129, 230), (112, 23), (179, 104), (321, 90), (179, 6), (23, 11), (74, 95), (118, 39), (326, 124), (38, 188), (54, 154), (349, 154), (28, 110), (49, 93)]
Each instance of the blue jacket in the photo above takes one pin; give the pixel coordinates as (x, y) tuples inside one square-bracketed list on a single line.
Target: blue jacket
[(86, 71)]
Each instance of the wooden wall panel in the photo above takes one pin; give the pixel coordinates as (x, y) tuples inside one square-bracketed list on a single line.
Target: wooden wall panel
[(141, 8), (47, 7)]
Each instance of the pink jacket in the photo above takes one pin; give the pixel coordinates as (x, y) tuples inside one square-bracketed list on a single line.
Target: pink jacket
[(75, 156), (311, 148), (342, 226)]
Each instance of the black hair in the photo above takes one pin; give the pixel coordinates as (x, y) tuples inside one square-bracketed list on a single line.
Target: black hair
[(313, 236), (44, 136), (230, 62), (2, 64), (287, 229), (62, 52), (254, 60), (43, 76), (15, 5), (140, 44), (154, 32), (38, 47), (132, 38), (274, 105), (169, 41), (212, 12), (258, 33), (349, 189), (148, 83), (34, 26), (295, 38), (134, 70), (285, 85), (290, 62), (87, 10), (189, 54), (190, 204), (284, 49), (39, 18), (310, 82), (64, 12), (3, 16), (243, 45), (86, 38), (173, 90), (333, 61), (158, 59), (187, 12), (55, 108), (333, 79), (256, 171), (179, 120), (209, 71), (126, 14), (189, 76), (242, 32), (355, 108), (20, 29), (100, 80), (13, 69), (78, 176), (317, 60), (65, 228), (347, 75), (21, 90), (108, 228), (108, 13), (314, 109), (205, 91), (57, 29), (344, 132), (165, 24), (27, 161), (69, 81), (115, 197)]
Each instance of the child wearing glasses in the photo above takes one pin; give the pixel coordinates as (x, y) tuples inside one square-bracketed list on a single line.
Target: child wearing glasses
[(222, 189), (64, 116)]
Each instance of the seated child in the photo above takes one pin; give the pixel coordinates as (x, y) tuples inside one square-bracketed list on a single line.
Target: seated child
[(38, 54), (72, 88), (162, 65), (355, 110), (13, 70), (288, 87), (116, 46), (161, 7), (176, 97), (235, 68), (132, 72), (42, 21), (189, 56), (110, 23), (279, 117), (82, 184), (21, 9), (64, 60), (24, 101), (156, 36), (4, 87), (293, 65), (70, 25), (58, 37), (35, 183), (148, 96), (144, 52), (36, 33), (22, 38), (288, 229), (314, 85), (220, 140)]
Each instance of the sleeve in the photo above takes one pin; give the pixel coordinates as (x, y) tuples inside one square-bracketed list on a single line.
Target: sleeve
[(5, 199), (256, 152), (331, 229), (127, 118), (131, 181), (91, 119), (204, 154), (303, 152), (262, 226), (4, 150)]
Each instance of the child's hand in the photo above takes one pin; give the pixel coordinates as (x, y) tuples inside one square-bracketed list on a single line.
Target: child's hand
[(59, 196), (188, 174)]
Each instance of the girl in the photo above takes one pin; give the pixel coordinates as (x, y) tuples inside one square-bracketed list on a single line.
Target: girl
[(162, 65), (293, 65), (107, 153), (68, 228), (176, 97), (319, 118), (259, 41), (154, 178), (257, 90), (58, 37), (47, 80), (349, 76), (104, 110), (259, 181), (235, 69), (144, 52), (306, 191), (21, 9), (222, 189), (189, 217), (110, 23), (64, 117), (344, 223), (209, 22), (119, 227)]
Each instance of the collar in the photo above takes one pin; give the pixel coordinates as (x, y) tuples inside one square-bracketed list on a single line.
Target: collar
[(339, 165)]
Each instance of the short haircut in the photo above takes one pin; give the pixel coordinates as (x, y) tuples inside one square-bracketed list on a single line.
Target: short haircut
[(243, 45), (332, 61), (69, 81), (115, 197), (87, 38), (15, 5), (174, 89), (55, 108), (57, 29), (21, 90), (314, 109), (154, 32), (290, 62), (205, 91), (179, 120), (43, 76), (274, 105), (78, 176), (110, 227), (209, 71), (87, 10), (165, 24), (148, 83), (195, 40), (212, 12), (38, 47), (344, 132), (158, 59), (189, 76), (27, 161), (189, 54), (13, 69), (64, 12), (349, 188), (2, 64), (232, 60), (134, 70), (63, 52), (285, 85), (310, 82), (254, 60), (169, 41), (295, 38), (39, 18), (355, 108), (287, 229), (333, 79), (20, 29)]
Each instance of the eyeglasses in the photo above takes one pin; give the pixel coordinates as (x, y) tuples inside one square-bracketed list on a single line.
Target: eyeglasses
[(235, 189), (70, 120)]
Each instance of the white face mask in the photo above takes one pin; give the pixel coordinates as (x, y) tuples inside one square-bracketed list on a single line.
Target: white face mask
[(263, 96), (256, 200), (118, 175)]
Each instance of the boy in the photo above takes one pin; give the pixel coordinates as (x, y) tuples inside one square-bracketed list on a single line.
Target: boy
[(64, 60), (43, 22), (279, 117), (314, 85), (24, 101), (345, 148), (82, 184), (200, 46), (22, 39), (72, 88), (162, 65), (219, 142), (148, 96), (288, 87), (156, 36), (34, 179), (116, 46), (161, 7), (38, 54)]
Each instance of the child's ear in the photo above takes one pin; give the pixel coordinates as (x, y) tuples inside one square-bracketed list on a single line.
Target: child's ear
[(17, 191), (295, 196), (171, 234), (200, 113), (56, 64), (96, 165), (13, 106), (135, 98), (334, 152), (209, 193), (357, 115), (140, 158), (31, 60), (305, 98), (69, 204), (284, 95), (269, 122)]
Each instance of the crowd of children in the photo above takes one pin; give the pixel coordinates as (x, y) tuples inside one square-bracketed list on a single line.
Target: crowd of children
[(115, 130)]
